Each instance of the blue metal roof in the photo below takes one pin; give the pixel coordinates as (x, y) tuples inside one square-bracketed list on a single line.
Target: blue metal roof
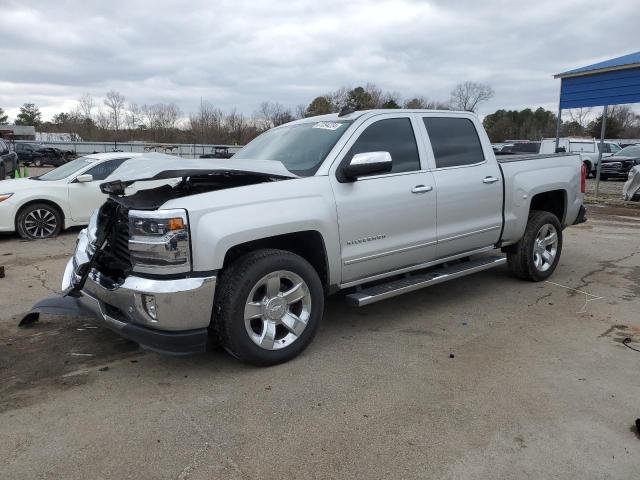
[(625, 61)]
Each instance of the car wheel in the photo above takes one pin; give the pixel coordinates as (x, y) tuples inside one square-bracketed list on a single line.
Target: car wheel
[(37, 162), (604, 178), (536, 255), (588, 167), (38, 220), (3, 172), (268, 307)]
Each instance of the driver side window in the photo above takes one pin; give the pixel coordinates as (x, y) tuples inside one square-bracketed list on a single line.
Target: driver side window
[(103, 170), (393, 135)]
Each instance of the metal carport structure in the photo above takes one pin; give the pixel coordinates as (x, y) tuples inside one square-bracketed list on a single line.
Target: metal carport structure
[(612, 82)]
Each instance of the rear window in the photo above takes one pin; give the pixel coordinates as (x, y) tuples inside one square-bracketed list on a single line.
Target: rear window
[(587, 147), (454, 141)]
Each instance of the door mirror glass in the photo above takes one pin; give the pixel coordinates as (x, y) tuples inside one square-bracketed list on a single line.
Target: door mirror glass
[(84, 178), (366, 164)]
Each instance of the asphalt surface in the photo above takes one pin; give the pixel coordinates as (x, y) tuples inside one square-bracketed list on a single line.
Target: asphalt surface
[(540, 385)]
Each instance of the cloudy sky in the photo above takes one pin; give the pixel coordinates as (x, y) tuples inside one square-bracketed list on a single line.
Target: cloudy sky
[(239, 53)]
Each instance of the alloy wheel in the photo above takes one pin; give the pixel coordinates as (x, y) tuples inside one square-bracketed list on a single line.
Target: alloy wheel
[(277, 310), (545, 247), (40, 223)]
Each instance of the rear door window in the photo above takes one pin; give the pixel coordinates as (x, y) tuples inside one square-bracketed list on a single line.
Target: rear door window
[(103, 170), (454, 141)]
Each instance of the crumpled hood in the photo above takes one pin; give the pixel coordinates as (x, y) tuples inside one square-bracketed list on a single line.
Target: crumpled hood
[(158, 166), (632, 185)]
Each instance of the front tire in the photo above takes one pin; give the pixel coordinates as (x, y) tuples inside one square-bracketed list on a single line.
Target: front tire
[(38, 221), (536, 255), (268, 306)]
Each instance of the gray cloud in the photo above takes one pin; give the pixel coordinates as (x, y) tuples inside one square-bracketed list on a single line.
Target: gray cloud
[(239, 53)]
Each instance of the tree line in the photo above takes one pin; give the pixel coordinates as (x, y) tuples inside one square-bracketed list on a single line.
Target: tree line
[(119, 120), (114, 118), (529, 124)]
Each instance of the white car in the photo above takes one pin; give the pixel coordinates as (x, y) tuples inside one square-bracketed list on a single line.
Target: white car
[(39, 207)]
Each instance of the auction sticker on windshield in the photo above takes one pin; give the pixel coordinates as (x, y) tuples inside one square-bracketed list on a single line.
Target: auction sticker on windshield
[(328, 125)]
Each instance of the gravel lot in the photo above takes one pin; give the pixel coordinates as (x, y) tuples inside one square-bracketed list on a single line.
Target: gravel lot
[(540, 386)]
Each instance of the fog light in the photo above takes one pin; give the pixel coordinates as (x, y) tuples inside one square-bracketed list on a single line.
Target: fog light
[(149, 304)]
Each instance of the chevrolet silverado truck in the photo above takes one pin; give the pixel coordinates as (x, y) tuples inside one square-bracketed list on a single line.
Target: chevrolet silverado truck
[(242, 252)]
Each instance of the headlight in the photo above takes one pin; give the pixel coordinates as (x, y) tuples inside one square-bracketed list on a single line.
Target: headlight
[(4, 196), (159, 241)]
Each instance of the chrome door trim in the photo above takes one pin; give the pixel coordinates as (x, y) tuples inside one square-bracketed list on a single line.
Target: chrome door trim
[(388, 252), (468, 234), (418, 266)]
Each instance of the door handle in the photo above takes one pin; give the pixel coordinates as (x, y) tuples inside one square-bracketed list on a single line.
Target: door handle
[(490, 180), (421, 189)]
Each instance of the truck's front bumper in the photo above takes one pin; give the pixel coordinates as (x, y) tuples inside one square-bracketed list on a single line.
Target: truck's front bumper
[(170, 316)]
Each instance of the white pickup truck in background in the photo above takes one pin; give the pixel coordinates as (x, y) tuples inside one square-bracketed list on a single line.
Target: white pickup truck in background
[(242, 252), (588, 148)]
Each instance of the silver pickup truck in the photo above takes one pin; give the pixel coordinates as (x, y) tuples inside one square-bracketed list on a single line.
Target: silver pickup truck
[(242, 252)]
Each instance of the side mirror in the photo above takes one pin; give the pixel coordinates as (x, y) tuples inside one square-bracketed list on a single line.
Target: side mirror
[(366, 164), (84, 178)]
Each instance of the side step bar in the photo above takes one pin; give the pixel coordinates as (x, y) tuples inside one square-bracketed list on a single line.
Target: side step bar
[(420, 280)]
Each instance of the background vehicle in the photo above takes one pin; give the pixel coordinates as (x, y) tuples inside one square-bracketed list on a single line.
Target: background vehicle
[(620, 163), (520, 147), (631, 188), (218, 152), (587, 148), (28, 153), (44, 155), (8, 160), (39, 207), (388, 201)]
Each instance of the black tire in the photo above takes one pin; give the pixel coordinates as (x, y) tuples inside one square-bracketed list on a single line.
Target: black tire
[(3, 172), (520, 257), (37, 162), (588, 166), (235, 285), (50, 228), (604, 178)]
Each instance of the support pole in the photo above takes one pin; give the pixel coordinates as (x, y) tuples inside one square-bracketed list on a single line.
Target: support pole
[(600, 150), (558, 128), (559, 120)]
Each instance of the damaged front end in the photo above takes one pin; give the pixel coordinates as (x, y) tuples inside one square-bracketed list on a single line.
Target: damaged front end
[(132, 264)]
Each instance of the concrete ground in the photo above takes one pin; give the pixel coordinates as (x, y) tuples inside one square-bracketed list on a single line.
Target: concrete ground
[(540, 384)]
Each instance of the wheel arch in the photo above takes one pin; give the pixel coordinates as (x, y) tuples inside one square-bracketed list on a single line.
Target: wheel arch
[(309, 244), (552, 201)]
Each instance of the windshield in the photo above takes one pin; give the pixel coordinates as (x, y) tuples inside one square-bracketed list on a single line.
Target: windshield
[(631, 151), (64, 171), (300, 148)]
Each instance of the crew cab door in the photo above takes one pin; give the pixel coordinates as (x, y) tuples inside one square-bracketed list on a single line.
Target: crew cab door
[(468, 182), (386, 221), (85, 197)]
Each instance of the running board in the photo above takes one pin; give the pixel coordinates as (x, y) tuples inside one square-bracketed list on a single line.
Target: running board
[(421, 280)]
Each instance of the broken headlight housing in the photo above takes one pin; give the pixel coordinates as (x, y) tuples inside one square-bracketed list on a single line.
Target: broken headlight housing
[(159, 241)]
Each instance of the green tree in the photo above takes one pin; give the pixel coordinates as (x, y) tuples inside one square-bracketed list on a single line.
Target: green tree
[(391, 103), (29, 115), (360, 99), (613, 129), (4, 118), (319, 106), (520, 125)]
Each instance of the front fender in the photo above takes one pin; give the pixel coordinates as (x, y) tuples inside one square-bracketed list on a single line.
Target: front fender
[(274, 209)]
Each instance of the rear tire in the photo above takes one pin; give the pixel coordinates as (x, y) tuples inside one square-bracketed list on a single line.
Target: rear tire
[(536, 255), (37, 162), (268, 306), (3, 172)]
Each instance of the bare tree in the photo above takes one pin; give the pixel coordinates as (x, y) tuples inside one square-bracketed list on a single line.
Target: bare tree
[(272, 114), (115, 104), (422, 102), (468, 95), (86, 105), (580, 115)]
